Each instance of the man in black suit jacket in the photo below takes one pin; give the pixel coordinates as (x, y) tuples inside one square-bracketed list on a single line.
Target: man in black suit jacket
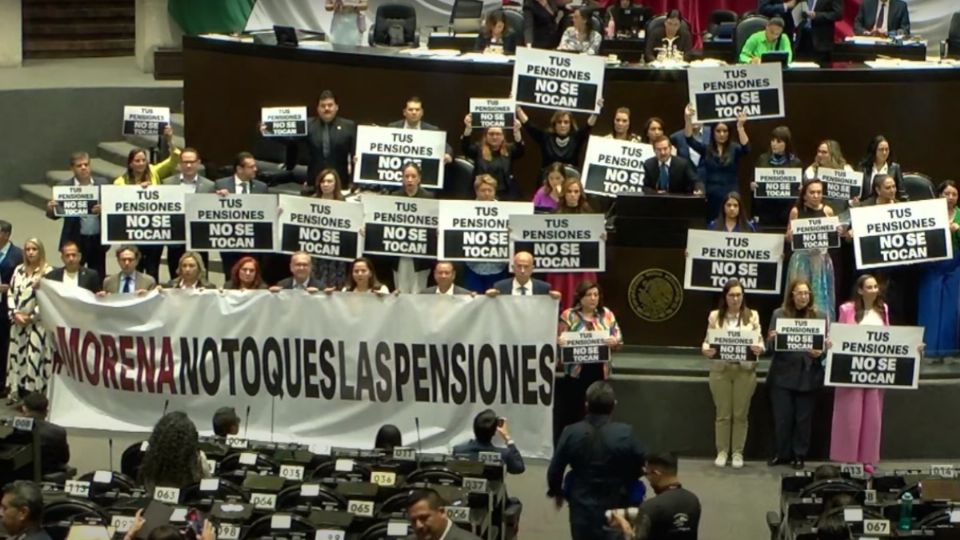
[(21, 511), (86, 278), (331, 142), (54, 449), (681, 174), (782, 9), (430, 521), (301, 277), (486, 424), (816, 29), (522, 282), (83, 230), (896, 18), (444, 274), (605, 460), (243, 181), (10, 257), (413, 119)]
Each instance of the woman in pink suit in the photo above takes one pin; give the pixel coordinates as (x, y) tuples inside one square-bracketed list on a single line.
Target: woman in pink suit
[(858, 412)]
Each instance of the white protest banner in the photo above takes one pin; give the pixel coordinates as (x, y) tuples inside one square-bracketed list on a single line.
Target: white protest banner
[(612, 166), (231, 222), (139, 120), (713, 257), (561, 242), (284, 121), (839, 184), (902, 233), (733, 344), (323, 228), (721, 93), (558, 80), (800, 334), (400, 226), (150, 215), (584, 347), (382, 152), (486, 112), (874, 356), (208, 349), (815, 233), (75, 201), (777, 183), (477, 230)]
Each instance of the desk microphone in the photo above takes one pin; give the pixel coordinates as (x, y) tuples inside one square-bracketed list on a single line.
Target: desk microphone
[(416, 419), (110, 452), (246, 422), (166, 403), (273, 410)]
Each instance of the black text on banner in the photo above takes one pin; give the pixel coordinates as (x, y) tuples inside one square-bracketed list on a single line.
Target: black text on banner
[(713, 257), (800, 334), (557, 80), (874, 356), (323, 228), (151, 215), (231, 222), (815, 233), (477, 230), (776, 183), (73, 201), (584, 348), (382, 152), (722, 93), (612, 166), (487, 113), (733, 345), (561, 242), (284, 121), (401, 226), (839, 184), (903, 233), (145, 120)]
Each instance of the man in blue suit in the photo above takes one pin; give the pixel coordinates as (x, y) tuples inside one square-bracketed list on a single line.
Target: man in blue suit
[(10, 257)]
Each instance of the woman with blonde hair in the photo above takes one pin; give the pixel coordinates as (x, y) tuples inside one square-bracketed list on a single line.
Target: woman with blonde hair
[(28, 365)]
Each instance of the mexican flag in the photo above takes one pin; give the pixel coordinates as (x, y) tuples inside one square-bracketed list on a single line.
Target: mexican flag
[(206, 16)]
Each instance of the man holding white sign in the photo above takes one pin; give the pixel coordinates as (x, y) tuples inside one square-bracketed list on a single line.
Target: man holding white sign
[(83, 230), (383, 152)]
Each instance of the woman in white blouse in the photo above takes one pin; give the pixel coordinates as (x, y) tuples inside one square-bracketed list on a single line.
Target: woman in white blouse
[(581, 37)]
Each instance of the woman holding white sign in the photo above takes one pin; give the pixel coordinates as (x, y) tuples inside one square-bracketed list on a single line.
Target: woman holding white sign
[(563, 141), (939, 288), (829, 156), (329, 187), (812, 265), (494, 155), (482, 275), (775, 212), (28, 364), (732, 383), (721, 160), (572, 201)]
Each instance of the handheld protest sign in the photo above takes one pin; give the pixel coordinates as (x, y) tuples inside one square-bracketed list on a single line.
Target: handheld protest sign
[(800, 335), (382, 152), (323, 228), (560, 242), (139, 120), (487, 113), (400, 226), (901, 234), (149, 216), (815, 233), (713, 257), (284, 121), (874, 356), (477, 230), (558, 80), (75, 201), (733, 344), (585, 348), (231, 222), (777, 183), (839, 184), (720, 94), (613, 166)]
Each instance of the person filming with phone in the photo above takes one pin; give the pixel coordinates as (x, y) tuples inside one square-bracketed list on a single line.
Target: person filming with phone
[(485, 425)]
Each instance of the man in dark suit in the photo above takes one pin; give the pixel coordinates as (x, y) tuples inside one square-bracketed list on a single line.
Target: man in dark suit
[(72, 272), (444, 274), (782, 9), (83, 230), (21, 510), (605, 460), (522, 282), (815, 39), (880, 17), (128, 280), (193, 182), (301, 278), (10, 257), (54, 449), (244, 181), (331, 142), (430, 521), (413, 119), (486, 424), (681, 176)]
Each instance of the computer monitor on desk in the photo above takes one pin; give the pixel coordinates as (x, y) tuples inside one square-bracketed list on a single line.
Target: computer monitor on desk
[(656, 221)]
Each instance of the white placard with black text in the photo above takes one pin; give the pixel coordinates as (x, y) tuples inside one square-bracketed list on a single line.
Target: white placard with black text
[(713, 257), (561, 242), (721, 93), (901, 234), (382, 152), (558, 80), (612, 166), (477, 230), (323, 228)]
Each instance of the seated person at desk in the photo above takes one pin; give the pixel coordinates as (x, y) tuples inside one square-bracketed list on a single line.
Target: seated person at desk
[(625, 19), (54, 449), (672, 33), (882, 17), (496, 38), (771, 39), (581, 36), (665, 173), (486, 424)]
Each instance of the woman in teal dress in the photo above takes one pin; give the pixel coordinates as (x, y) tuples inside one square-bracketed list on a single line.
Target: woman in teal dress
[(938, 292), (813, 265)]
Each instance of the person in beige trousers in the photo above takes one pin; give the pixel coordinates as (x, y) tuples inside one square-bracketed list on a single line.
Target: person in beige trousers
[(732, 383)]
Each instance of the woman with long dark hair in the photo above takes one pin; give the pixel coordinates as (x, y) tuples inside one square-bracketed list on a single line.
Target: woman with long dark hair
[(621, 126), (173, 457), (572, 201), (363, 278), (720, 160), (581, 36), (732, 216), (781, 155), (879, 161), (496, 37), (493, 155), (812, 265)]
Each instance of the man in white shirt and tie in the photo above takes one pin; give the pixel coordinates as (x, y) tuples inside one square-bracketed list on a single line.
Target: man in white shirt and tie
[(128, 280), (522, 283), (192, 182), (243, 182), (882, 17), (444, 274)]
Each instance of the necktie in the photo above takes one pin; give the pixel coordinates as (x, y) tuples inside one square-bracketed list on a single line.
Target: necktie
[(523, 290), (663, 183), (879, 24), (243, 188), (325, 140), (127, 284)]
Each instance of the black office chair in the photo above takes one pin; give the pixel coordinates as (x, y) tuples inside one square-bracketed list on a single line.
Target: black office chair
[(59, 515), (570, 171), (458, 179), (105, 492), (292, 497), (359, 473), (396, 503), (378, 531), (263, 527), (919, 187), (657, 22), (131, 459), (395, 25), (746, 28), (226, 490), (434, 475), (953, 36), (718, 17), (513, 18)]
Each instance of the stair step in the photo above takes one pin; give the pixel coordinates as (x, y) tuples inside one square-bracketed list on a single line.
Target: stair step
[(149, 141), (60, 44), (36, 195), (110, 27), (55, 177), (115, 152), (104, 168)]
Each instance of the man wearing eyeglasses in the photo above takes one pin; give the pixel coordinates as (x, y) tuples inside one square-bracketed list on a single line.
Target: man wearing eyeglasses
[(192, 182)]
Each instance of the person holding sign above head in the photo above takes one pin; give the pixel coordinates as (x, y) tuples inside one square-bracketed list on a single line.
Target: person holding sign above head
[(939, 287), (794, 378), (781, 155), (879, 161), (771, 39), (300, 278), (409, 274), (666, 173), (581, 36), (363, 279), (732, 382), (621, 126), (192, 182), (444, 273), (493, 155), (562, 142), (329, 271), (572, 201), (72, 273), (191, 273), (245, 276), (83, 230), (496, 38), (481, 275), (673, 34), (721, 158), (128, 280), (523, 283), (547, 198), (28, 366), (813, 266), (413, 119), (732, 217)]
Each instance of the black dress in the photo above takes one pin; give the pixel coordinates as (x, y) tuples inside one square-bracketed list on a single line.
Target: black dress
[(499, 166), (558, 149)]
